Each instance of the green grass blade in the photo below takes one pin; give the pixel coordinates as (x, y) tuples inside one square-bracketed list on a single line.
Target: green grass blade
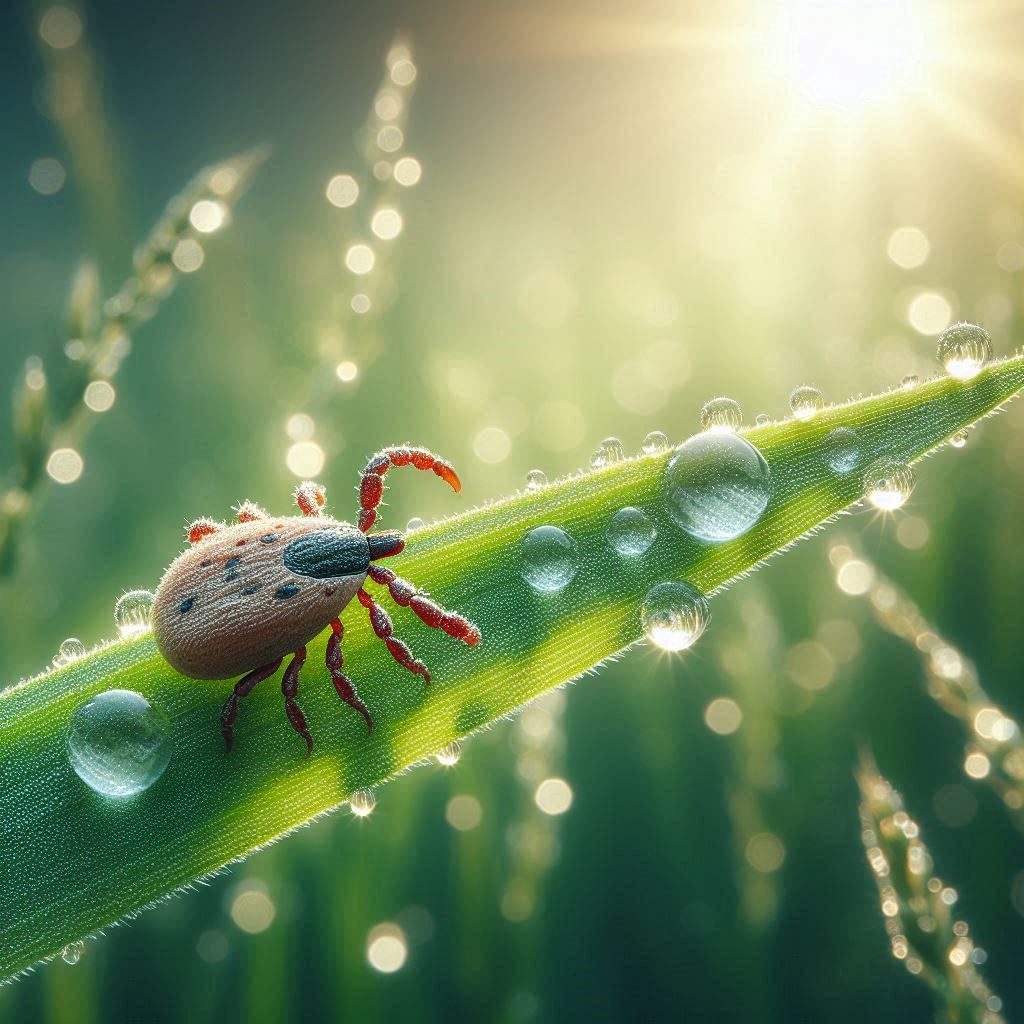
[(74, 862)]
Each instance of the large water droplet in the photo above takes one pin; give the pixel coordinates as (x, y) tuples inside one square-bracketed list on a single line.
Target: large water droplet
[(842, 450), (132, 613), (414, 524), (655, 441), (70, 650), (536, 479), (717, 486), (959, 439), (964, 349), (721, 414), (119, 743), (887, 484), (674, 614), (910, 381), (608, 451), (762, 419), (805, 402), (450, 754), (72, 952), (550, 559), (630, 532), (362, 802)]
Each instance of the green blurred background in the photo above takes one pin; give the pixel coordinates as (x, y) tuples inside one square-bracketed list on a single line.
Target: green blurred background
[(623, 210)]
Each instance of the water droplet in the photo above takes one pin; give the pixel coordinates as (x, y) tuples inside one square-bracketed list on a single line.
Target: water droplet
[(536, 479), (608, 451), (550, 559), (132, 613), (959, 439), (721, 414), (887, 484), (964, 349), (630, 532), (449, 754), (674, 615), (70, 650), (762, 419), (72, 952), (805, 402), (717, 486), (414, 524), (655, 441), (119, 743), (362, 802), (910, 381), (842, 450)]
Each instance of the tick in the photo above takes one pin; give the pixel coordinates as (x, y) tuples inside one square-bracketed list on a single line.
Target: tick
[(246, 595)]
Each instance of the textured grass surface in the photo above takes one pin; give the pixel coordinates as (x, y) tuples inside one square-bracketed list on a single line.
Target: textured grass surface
[(74, 862)]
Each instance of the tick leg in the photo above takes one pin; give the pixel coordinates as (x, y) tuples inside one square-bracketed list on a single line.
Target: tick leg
[(310, 498), (290, 687), (381, 622), (371, 487), (242, 689), (342, 683), (405, 594)]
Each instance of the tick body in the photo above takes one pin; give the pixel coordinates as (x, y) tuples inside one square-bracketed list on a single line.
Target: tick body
[(245, 596)]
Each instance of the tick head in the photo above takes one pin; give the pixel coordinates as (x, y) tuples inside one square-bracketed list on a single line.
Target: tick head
[(331, 553)]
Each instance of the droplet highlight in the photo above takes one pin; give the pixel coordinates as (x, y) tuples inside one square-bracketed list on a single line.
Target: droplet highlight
[(70, 650), (674, 614), (762, 419), (536, 479), (72, 953), (959, 439), (631, 532), (608, 451), (842, 450), (119, 743), (362, 802), (963, 350), (805, 402), (132, 613), (721, 414), (655, 441), (414, 524), (888, 484), (717, 486), (449, 755), (550, 559)]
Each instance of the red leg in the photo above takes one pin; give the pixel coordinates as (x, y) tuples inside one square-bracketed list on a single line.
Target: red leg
[(371, 487), (290, 687), (405, 594), (381, 622), (243, 688), (310, 497), (342, 683)]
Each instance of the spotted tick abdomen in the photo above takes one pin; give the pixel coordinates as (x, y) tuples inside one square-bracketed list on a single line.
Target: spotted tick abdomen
[(250, 594)]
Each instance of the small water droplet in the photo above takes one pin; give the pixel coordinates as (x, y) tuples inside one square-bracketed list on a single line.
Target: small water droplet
[(72, 952), (959, 439), (805, 402), (842, 450), (964, 349), (717, 486), (449, 754), (630, 532), (70, 650), (132, 613), (910, 381), (119, 743), (414, 524), (721, 414), (550, 559), (887, 484), (674, 614), (762, 419), (608, 451), (362, 802), (655, 441), (536, 479)]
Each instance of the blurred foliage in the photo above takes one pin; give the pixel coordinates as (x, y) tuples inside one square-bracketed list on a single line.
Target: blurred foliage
[(621, 214)]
